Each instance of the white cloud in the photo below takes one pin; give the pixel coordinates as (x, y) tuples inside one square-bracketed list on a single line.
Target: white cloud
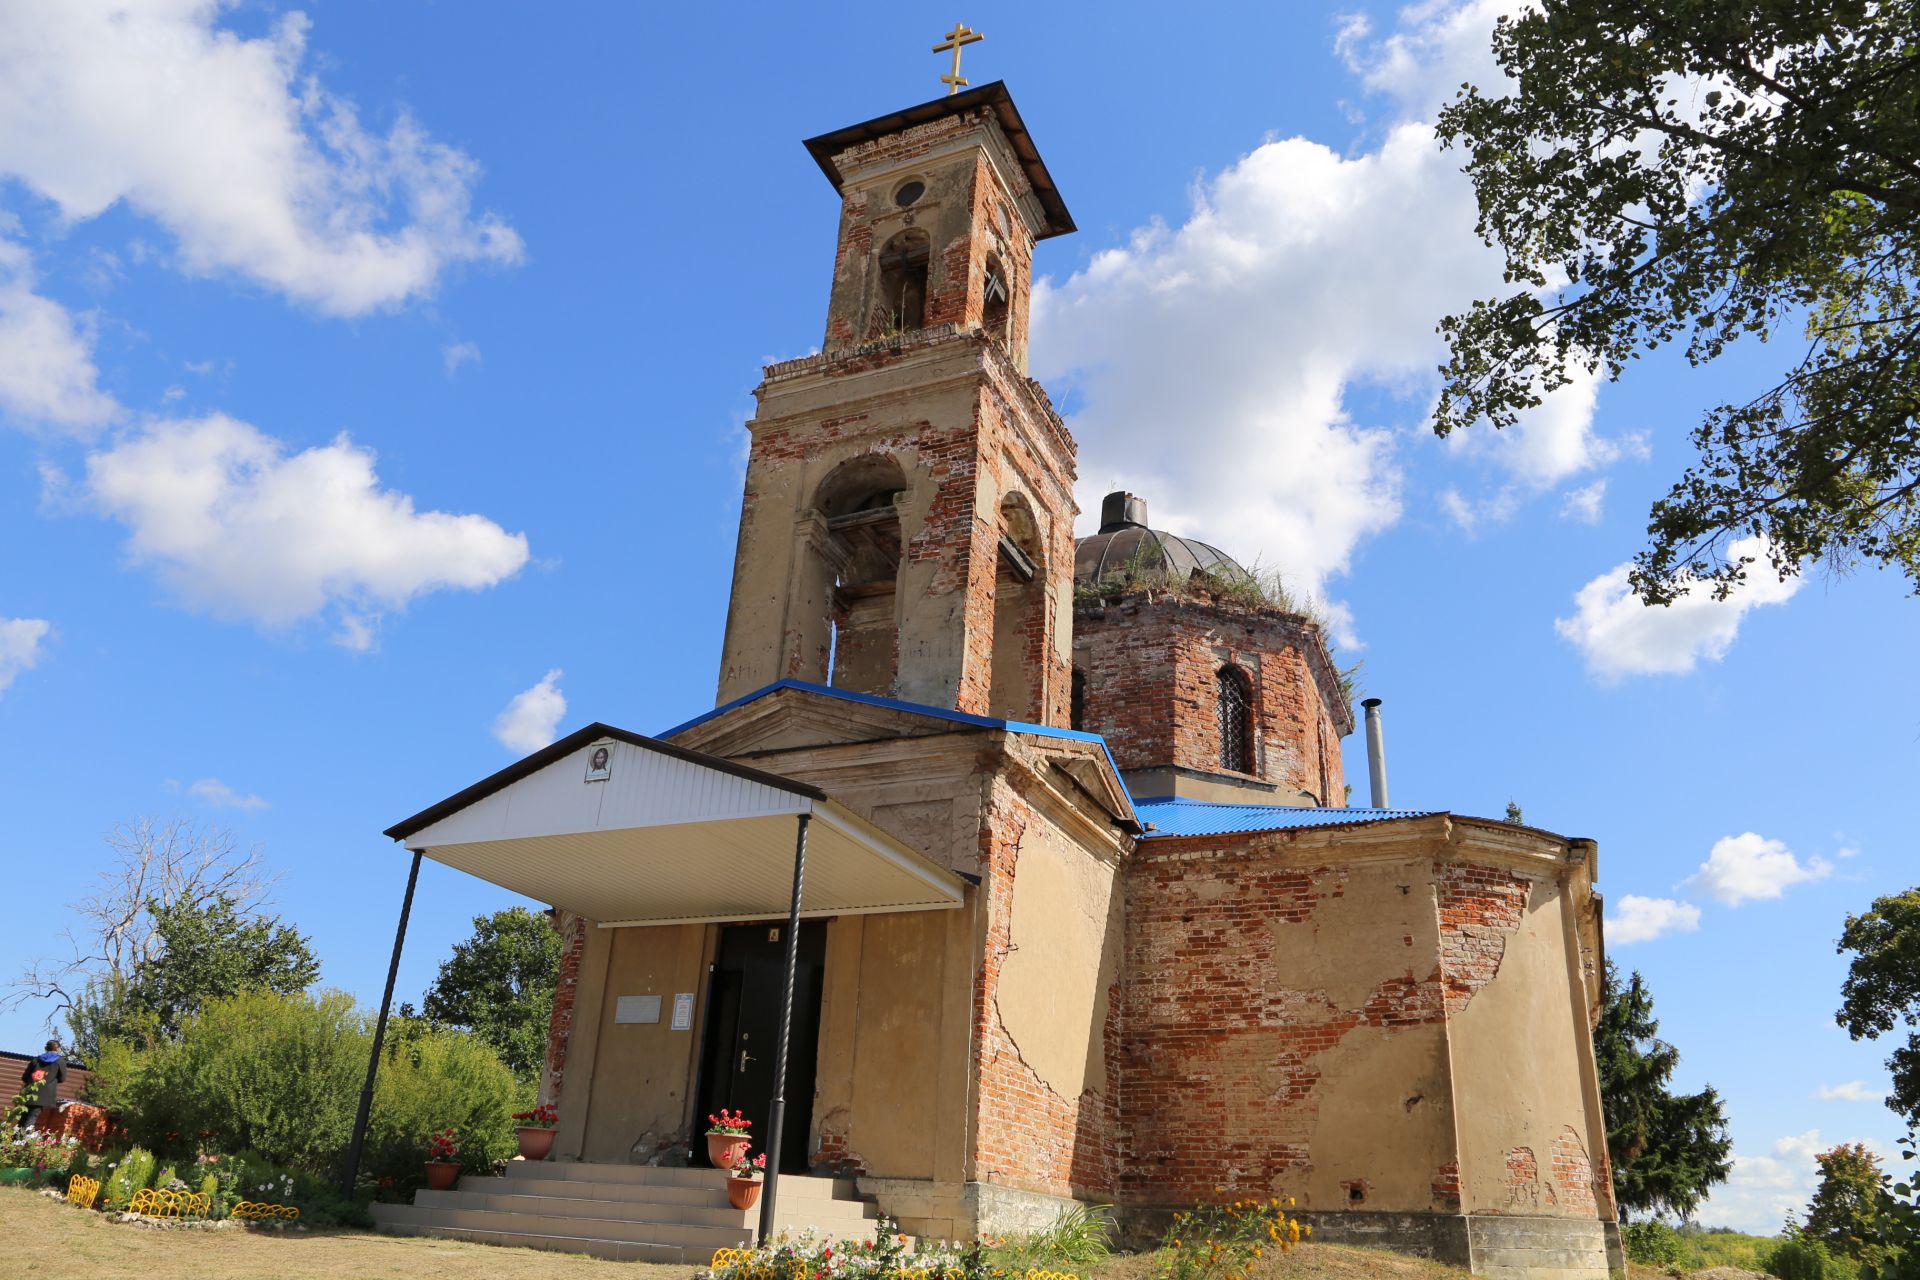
[(1851, 1091), (47, 374), (1586, 503), (1638, 919), (1750, 866), (20, 646), (240, 526), (455, 354), (218, 795), (251, 163), (1439, 44), (1215, 361), (532, 720), (1618, 636)]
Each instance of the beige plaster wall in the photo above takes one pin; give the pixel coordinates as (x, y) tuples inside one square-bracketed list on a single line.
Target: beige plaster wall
[(890, 1098), (640, 1075), (1519, 1071)]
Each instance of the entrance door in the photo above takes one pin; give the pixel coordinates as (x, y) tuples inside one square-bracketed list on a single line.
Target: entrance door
[(743, 1034)]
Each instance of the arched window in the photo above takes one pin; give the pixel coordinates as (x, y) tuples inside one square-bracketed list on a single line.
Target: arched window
[(1236, 720), (902, 304), (1077, 705), (1019, 612), (993, 315), (860, 564)]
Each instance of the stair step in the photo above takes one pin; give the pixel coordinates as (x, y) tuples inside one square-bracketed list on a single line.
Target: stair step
[(682, 1235), (795, 1184), (587, 1189), (613, 1250), (838, 1216)]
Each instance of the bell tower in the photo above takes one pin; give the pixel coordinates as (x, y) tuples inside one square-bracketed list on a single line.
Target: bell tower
[(907, 526)]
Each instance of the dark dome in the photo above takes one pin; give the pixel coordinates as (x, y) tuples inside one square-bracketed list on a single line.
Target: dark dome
[(1126, 548)]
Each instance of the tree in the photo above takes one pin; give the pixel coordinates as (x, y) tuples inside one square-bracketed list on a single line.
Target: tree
[(1704, 170), (500, 984), (212, 951), (1882, 988), (1514, 814), (1667, 1149), (173, 864), (1847, 1205)]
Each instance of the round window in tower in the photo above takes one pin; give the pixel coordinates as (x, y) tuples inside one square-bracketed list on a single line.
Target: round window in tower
[(1005, 223), (909, 192)]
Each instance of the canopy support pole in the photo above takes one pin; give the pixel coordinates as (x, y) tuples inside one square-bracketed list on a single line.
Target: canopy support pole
[(379, 1036), (779, 1118)]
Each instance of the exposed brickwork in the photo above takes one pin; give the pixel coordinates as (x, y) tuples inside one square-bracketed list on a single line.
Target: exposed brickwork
[(573, 946), (1152, 660), (1479, 906), (835, 1155), (1446, 1187), (1573, 1173)]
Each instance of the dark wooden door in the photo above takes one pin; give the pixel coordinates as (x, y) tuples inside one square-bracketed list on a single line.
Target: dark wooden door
[(743, 1034)]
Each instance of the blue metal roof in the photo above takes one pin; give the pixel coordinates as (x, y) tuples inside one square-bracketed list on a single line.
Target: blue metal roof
[(1167, 819)]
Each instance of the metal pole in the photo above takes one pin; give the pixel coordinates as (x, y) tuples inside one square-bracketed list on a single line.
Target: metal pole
[(779, 1118), (379, 1035), (1376, 753)]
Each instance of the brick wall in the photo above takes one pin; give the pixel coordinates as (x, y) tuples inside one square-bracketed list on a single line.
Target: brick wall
[(1152, 659), (573, 946)]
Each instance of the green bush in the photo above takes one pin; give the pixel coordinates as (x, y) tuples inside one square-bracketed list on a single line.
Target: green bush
[(1801, 1257), (1650, 1243), (280, 1076), (132, 1172)]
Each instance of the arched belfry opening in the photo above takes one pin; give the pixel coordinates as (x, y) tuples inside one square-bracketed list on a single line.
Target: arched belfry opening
[(857, 501), (1019, 615), (997, 300), (902, 302)]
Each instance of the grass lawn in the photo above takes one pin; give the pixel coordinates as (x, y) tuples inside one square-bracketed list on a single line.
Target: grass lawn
[(45, 1238)]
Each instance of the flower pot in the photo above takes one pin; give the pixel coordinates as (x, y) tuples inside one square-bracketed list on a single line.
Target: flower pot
[(535, 1140), (442, 1174), (743, 1193), (725, 1149)]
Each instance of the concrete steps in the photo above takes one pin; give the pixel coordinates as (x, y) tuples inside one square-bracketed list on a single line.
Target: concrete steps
[(623, 1212)]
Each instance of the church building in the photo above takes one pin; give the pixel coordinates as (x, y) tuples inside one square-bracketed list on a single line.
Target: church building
[(1084, 915)]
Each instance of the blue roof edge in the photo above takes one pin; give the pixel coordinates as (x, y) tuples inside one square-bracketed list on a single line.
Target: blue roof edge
[(915, 708)]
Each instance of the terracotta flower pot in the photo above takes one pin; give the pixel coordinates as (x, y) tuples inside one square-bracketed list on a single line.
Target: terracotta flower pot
[(743, 1193), (535, 1140), (442, 1174), (725, 1149)]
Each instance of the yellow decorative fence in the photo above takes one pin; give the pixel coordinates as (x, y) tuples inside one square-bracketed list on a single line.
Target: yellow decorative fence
[(255, 1211), (82, 1190), (156, 1202)]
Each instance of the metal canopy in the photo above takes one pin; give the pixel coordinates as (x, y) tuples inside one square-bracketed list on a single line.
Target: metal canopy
[(664, 835)]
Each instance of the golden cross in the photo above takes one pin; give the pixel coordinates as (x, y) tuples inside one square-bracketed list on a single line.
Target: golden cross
[(961, 36)]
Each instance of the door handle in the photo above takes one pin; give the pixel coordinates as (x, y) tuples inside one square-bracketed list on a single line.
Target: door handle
[(745, 1058)]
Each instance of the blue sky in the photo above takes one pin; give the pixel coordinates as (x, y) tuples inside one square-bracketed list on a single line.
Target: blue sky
[(364, 364)]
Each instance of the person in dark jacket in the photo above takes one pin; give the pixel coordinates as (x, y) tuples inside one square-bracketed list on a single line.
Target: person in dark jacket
[(44, 1092)]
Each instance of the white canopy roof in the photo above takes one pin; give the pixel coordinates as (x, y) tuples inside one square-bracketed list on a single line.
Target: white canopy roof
[(657, 834)]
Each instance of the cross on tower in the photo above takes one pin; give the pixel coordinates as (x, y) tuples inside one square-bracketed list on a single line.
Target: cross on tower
[(957, 39)]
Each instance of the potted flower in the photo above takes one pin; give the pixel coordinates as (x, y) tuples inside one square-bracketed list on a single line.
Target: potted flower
[(743, 1181), (443, 1160), (19, 1145), (727, 1140), (536, 1130)]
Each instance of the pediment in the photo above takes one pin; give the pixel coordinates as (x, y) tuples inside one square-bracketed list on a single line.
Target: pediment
[(788, 719)]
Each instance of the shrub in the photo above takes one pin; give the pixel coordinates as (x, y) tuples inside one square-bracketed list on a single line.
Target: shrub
[(1226, 1240), (280, 1076), (1650, 1243), (132, 1172), (1076, 1240), (1801, 1257)]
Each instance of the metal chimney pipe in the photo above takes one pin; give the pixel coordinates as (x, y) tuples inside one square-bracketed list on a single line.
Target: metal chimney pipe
[(1376, 753)]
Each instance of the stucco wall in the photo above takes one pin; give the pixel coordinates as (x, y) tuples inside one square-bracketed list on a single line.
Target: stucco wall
[(1525, 1147), (638, 1101)]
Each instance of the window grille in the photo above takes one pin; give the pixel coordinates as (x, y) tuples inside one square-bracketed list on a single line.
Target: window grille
[(1236, 720)]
